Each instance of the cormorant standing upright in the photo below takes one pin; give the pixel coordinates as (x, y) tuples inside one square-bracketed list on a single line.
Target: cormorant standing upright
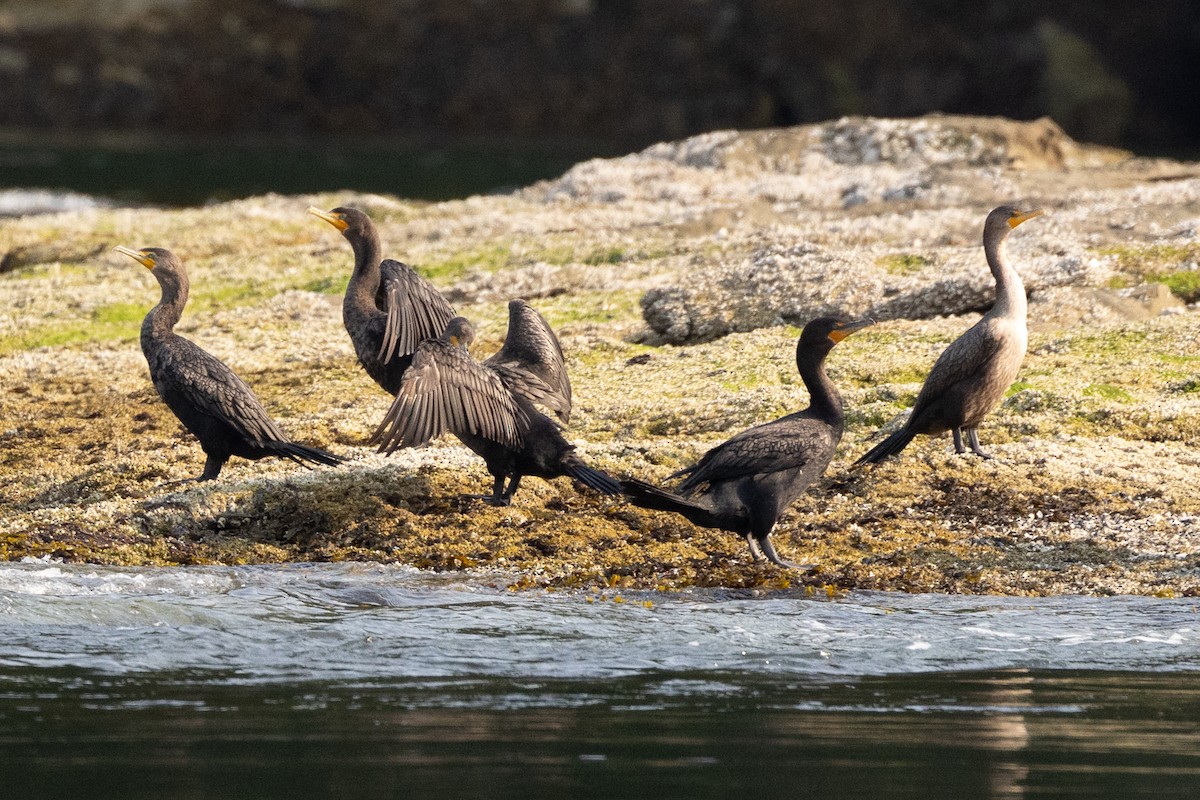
[(971, 376), (744, 484), (388, 308), (208, 398)]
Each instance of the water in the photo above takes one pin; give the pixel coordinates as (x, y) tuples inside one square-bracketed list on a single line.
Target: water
[(369, 681), (196, 172)]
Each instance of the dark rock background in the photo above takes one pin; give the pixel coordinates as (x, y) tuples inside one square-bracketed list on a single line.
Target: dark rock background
[(614, 72)]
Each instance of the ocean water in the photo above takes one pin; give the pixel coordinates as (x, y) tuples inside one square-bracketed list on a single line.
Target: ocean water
[(372, 681), (197, 172)]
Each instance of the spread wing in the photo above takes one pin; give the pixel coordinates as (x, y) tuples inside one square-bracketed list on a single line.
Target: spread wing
[(446, 390), (415, 309), (531, 361), (182, 369), (786, 443)]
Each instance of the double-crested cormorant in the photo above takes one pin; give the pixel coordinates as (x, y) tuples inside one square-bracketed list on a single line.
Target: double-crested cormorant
[(744, 484), (208, 398), (489, 406), (971, 375), (388, 308)]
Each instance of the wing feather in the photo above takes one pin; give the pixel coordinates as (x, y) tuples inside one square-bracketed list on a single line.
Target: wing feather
[(446, 390), (964, 359), (415, 310), (531, 361), (786, 443), (212, 388)]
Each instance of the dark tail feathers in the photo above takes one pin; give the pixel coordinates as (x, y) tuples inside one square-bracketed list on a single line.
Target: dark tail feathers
[(647, 495), (888, 447), (304, 455), (594, 478)]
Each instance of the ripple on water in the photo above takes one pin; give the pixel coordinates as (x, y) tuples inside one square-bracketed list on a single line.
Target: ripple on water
[(375, 623)]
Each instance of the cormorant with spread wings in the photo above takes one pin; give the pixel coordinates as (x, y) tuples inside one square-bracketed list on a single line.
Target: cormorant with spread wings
[(489, 406)]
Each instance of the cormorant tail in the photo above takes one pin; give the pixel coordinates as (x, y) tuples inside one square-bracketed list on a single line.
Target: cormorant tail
[(594, 478), (888, 447), (647, 495), (302, 453)]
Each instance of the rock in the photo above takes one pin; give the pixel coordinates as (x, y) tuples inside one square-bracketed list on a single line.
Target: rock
[(26, 256), (786, 285), (1064, 307), (918, 191), (1093, 484)]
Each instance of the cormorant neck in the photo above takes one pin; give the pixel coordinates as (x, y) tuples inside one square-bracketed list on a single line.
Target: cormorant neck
[(162, 318), (824, 399), (364, 282), (1010, 292)]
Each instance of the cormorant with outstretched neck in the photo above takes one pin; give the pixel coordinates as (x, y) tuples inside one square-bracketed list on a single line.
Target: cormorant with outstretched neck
[(208, 398), (971, 376), (489, 406), (744, 484), (388, 308)]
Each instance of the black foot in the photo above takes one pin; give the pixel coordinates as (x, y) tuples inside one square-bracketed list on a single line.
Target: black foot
[(973, 440), (179, 482)]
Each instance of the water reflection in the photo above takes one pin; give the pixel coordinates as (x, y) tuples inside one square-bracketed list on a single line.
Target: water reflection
[(1008, 733), (998, 735)]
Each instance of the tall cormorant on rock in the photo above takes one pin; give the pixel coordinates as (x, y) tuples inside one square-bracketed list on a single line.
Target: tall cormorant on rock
[(388, 309), (208, 398), (971, 376)]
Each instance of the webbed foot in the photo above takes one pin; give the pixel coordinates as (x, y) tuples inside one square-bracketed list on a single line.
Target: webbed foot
[(973, 440)]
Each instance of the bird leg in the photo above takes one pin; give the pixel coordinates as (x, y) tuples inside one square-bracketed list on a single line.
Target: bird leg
[(499, 496), (973, 440), (513, 483), (958, 445), (768, 550), (212, 468), (755, 551)]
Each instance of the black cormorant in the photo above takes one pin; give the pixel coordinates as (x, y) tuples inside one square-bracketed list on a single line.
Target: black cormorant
[(490, 406), (208, 398), (388, 308), (744, 484)]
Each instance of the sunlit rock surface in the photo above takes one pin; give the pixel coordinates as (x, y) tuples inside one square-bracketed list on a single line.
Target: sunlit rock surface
[(676, 278)]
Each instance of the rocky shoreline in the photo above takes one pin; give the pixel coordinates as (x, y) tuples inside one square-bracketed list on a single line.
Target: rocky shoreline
[(676, 278)]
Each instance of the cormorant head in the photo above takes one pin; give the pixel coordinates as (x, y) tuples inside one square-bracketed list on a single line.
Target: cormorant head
[(1003, 219), (459, 332), (164, 265), (833, 329), (150, 257), (821, 334), (350, 221)]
